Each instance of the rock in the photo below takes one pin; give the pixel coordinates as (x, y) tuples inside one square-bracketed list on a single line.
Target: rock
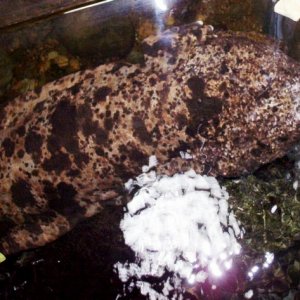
[(109, 39), (6, 69)]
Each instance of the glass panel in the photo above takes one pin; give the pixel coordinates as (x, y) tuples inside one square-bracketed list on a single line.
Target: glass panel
[(95, 93)]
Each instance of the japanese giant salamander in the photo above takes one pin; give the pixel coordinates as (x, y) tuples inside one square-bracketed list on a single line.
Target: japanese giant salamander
[(221, 103)]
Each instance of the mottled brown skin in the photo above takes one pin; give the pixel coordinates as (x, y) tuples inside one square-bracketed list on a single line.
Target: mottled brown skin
[(230, 101)]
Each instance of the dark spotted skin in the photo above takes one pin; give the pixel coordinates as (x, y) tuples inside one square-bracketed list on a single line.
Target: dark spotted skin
[(230, 101)]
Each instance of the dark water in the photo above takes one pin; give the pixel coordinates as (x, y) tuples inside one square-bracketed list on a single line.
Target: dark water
[(80, 264)]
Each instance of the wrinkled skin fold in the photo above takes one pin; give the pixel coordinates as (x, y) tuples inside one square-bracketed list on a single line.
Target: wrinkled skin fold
[(231, 102)]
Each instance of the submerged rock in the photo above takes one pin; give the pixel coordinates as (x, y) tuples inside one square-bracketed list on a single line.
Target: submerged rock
[(113, 38), (222, 103), (6, 67)]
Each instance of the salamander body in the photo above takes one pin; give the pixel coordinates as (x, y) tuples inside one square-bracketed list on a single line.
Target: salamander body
[(219, 102)]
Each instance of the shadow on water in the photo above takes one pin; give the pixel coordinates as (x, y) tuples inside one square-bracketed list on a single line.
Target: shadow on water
[(77, 266)]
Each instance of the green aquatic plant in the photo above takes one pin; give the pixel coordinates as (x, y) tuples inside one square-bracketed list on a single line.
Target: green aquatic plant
[(268, 207)]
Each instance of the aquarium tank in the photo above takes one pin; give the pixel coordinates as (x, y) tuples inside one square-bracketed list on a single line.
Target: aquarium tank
[(150, 149)]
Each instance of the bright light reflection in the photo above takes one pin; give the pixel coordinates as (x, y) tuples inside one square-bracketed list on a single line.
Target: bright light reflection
[(223, 256), (249, 294), (161, 4), (269, 259), (237, 249), (273, 209), (201, 276), (265, 265), (206, 248), (192, 279), (87, 6), (215, 269), (228, 264), (254, 269), (190, 256), (295, 185)]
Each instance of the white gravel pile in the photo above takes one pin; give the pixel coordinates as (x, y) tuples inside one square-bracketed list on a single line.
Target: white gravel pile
[(180, 224)]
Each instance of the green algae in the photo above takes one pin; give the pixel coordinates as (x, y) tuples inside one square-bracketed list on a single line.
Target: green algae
[(268, 207)]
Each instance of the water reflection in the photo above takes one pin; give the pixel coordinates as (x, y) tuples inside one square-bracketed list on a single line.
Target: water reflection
[(87, 6), (161, 4), (59, 47), (92, 34)]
